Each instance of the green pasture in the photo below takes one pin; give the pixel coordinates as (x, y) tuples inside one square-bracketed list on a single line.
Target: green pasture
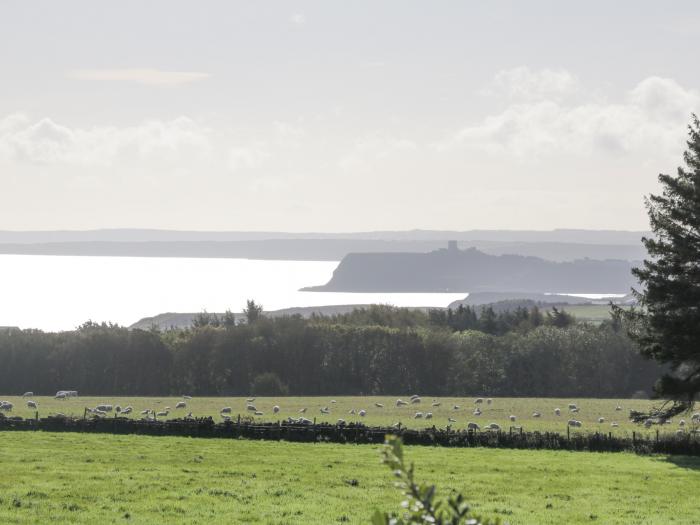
[(88, 479), (499, 411)]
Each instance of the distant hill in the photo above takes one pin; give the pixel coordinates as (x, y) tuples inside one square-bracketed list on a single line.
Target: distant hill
[(474, 271), (520, 298), (183, 320)]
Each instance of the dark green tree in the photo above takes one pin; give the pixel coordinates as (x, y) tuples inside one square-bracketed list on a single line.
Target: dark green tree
[(666, 325), (252, 311)]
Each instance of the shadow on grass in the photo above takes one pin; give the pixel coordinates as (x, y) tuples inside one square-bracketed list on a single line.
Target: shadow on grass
[(689, 462)]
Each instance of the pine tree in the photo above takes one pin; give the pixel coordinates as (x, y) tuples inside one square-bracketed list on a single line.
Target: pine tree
[(666, 325)]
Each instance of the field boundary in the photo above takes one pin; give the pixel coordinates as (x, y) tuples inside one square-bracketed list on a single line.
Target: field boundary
[(358, 433)]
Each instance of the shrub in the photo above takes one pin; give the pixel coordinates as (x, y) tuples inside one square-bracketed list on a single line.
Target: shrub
[(268, 384)]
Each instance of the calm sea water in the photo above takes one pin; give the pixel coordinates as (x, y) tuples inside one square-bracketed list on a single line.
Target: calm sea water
[(61, 292)]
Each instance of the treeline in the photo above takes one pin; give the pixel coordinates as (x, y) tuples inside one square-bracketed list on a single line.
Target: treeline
[(380, 351)]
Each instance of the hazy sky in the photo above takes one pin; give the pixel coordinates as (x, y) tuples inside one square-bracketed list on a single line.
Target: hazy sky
[(323, 116)]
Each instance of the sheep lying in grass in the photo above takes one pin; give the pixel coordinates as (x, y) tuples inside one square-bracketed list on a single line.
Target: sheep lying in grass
[(226, 410), (250, 408), (362, 413), (275, 409), (379, 405), (401, 402), (512, 418)]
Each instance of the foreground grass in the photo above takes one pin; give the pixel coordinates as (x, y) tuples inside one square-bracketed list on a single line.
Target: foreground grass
[(87, 479), (497, 412)]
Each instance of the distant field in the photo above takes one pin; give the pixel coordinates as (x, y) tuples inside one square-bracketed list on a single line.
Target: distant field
[(589, 312), (88, 479), (499, 411)]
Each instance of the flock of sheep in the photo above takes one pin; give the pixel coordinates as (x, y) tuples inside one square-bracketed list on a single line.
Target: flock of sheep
[(225, 413)]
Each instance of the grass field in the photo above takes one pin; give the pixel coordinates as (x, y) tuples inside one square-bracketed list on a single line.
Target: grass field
[(498, 411), (88, 479)]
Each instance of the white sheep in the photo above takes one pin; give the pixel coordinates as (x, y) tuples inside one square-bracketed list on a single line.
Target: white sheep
[(479, 400), (28, 394), (512, 418), (418, 415), (536, 414), (362, 413), (574, 423), (104, 408), (181, 404), (333, 401), (415, 400), (186, 398), (225, 417), (601, 420), (493, 426), (451, 420), (614, 424), (325, 410), (351, 411), (250, 408), (302, 411), (455, 407), (473, 426), (250, 399), (681, 423), (127, 410), (32, 404), (428, 415), (226, 410), (340, 422), (648, 423), (164, 413), (258, 413), (379, 405), (400, 403), (489, 401), (477, 412), (572, 406), (145, 412), (436, 404), (695, 417), (557, 412), (275, 409), (618, 408)]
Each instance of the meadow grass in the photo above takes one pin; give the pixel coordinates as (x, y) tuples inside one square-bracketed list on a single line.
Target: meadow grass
[(89, 479), (497, 412)]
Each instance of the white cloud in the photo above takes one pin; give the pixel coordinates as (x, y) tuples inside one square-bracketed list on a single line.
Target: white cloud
[(153, 77), (251, 157), (48, 142), (649, 121), (522, 83), (298, 19)]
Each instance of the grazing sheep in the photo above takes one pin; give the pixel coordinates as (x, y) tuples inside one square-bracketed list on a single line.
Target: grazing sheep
[(333, 401), (479, 400), (574, 423), (400, 403), (60, 395), (572, 406), (28, 394), (455, 407), (180, 404), (32, 404), (100, 413), (473, 426), (6, 406), (118, 409), (415, 400), (325, 410), (451, 420), (614, 425), (574, 410), (536, 414), (418, 415), (275, 409), (164, 413), (251, 408), (226, 410), (379, 405), (148, 411), (557, 412), (477, 412), (351, 411), (601, 420), (681, 423), (104, 408), (414, 396), (250, 399), (302, 411), (258, 413), (493, 426), (429, 415), (648, 423), (305, 421), (362, 413), (695, 417), (340, 422), (512, 418), (489, 401), (128, 410), (618, 408), (225, 417), (436, 404), (186, 398)]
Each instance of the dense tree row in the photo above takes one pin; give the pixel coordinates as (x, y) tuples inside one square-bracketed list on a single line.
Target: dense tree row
[(375, 351)]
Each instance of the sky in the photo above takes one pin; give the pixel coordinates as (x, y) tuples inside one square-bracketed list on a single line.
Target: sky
[(341, 116)]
